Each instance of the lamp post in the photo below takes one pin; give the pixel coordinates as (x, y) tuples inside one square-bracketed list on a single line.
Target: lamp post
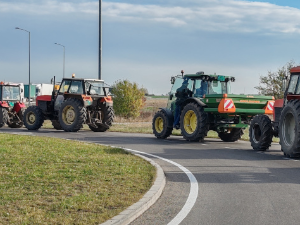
[(100, 41), (63, 60), (29, 63)]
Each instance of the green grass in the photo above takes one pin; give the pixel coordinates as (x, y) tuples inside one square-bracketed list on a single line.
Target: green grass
[(158, 96), (53, 181)]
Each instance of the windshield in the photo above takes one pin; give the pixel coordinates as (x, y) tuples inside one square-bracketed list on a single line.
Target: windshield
[(210, 87), (95, 88), (10, 93), (74, 87)]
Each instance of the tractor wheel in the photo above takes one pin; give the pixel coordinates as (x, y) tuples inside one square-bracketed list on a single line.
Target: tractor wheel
[(56, 125), (232, 136), (17, 122), (289, 128), (160, 125), (193, 122), (3, 116), (107, 119), (33, 118), (72, 115), (261, 133)]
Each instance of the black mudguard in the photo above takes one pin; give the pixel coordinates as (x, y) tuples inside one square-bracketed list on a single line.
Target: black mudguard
[(169, 115)]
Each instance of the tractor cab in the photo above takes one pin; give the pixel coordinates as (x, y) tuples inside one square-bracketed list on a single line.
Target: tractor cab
[(200, 85), (293, 90), (83, 87), (86, 90), (11, 93)]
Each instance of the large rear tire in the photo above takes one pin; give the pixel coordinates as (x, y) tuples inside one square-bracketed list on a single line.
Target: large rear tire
[(160, 126), (232, 136), (33, 118), (261, 133), (3, 116), (72, 115), (289, 128), (107, 115), (193, 122)]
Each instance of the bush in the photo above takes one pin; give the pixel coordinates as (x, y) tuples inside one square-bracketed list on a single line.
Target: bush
[(128, 99)]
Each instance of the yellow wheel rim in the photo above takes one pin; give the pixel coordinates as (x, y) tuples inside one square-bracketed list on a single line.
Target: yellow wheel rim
[(31, 118), (159, 124), (190, 121), (68, 115)]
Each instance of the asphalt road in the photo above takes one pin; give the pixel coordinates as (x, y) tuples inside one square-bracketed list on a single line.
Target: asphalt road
[(236, 185)]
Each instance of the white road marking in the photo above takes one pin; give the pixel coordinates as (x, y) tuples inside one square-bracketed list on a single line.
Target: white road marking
[(191, 200)]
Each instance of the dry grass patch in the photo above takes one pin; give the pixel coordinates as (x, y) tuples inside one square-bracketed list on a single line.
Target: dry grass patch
[(53, 181)]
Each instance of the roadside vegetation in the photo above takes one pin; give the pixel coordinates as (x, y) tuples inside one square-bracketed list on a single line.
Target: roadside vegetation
[(52, 181)]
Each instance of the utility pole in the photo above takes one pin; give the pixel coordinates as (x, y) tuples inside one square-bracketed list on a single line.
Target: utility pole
[(100, 42)]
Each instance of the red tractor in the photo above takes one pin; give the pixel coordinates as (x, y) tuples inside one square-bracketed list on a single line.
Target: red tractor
[(11, 105), (286, 121), (77, 102)]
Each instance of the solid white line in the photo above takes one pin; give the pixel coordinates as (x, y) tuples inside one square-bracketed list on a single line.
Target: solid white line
[(191, 200)]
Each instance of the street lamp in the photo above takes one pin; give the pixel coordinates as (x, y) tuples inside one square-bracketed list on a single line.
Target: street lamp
[(100, 41), (64, 59), (29, 63)]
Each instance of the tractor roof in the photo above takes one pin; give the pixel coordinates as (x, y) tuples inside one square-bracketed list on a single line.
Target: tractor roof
[(83, 79), (9, 84), (295, 69), (210, 77)]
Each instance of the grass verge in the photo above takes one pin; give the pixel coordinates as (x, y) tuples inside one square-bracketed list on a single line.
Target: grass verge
[(53, 181), (146, 128)]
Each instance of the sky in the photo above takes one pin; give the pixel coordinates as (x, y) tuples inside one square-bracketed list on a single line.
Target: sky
[(147, 42)]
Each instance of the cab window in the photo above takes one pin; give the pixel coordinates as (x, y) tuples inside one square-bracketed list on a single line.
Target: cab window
[(293, 85)]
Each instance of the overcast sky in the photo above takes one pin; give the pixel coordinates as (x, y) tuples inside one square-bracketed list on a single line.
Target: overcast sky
[(147, 42)]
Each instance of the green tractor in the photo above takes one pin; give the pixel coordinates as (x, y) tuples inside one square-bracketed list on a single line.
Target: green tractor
[(199, 103)]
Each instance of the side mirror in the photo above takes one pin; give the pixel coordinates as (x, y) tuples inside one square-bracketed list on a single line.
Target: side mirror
[(172, 80), (22, 90), (171, 96)]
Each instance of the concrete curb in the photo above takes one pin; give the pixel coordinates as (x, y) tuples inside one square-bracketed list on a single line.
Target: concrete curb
[(137, 209)]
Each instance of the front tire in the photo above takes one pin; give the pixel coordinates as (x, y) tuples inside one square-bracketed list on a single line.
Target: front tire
[(261, 133), (72, 115), (107, 119), (232, 136), (33, 118), (289, 128), (193, 122), (160, 126), (56, 125)]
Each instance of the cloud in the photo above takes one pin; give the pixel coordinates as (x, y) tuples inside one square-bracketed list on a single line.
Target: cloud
[(214, 15)]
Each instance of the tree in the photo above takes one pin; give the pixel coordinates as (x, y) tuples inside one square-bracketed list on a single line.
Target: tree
[(273, 83), (128, 98)]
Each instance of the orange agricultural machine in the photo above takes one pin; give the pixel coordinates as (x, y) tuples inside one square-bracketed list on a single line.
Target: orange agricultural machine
[(286, 121), (76, 102)]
